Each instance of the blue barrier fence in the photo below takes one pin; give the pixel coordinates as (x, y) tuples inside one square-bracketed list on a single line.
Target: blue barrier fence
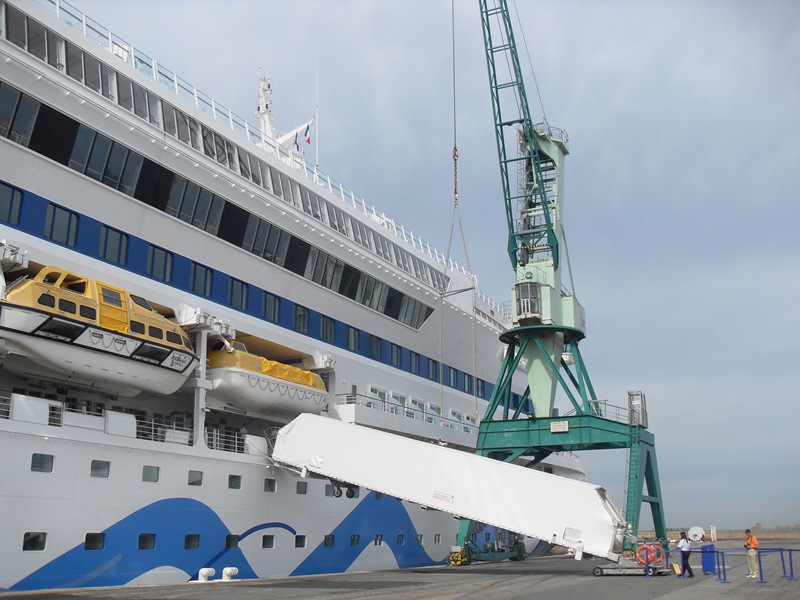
[(713, 561)]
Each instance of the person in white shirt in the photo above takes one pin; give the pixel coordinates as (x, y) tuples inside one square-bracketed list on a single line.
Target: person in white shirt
[(685, 546)]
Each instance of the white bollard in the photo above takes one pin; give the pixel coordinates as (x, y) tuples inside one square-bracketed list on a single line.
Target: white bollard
[(229, 572), (205, 573)]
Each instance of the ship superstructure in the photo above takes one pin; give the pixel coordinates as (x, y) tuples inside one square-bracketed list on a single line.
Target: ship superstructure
[(271, 276)]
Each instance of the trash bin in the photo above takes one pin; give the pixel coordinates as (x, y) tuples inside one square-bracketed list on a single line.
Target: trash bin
[(708, 561)]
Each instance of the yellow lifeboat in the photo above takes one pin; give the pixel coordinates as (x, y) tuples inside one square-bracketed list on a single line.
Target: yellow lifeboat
[(253, 383), (93, 334)]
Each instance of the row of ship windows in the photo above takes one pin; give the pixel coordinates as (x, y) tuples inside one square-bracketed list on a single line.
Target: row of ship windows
[(36, 541), (40, 128), (45, 463), (96, 75), (61, 225)]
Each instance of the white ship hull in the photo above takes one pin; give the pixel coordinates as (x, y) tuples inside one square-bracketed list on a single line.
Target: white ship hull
[(103, 486)]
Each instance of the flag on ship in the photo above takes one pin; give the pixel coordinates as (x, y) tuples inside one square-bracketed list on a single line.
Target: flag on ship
[(308, 133)]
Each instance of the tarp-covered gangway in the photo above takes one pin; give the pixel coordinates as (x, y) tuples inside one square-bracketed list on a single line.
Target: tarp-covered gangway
[(563, 511)]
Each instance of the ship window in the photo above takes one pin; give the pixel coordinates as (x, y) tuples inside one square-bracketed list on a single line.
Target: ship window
[(34, 541), (302, 487), (92, 75), (355, 539), (147, 541), (267, 541), (55, 51), (276, 183), (8, 104), (378, 540), (396, 355), (208, 142), (233, 159), (414, 363), (231, 542), (15, 26), (61, 225), (299, 541), (433, 370), (98, 157), (42, 463), (271, 307), (150, 473), (174, 338), (154, 106), (195, 135), (113, 246), (130, 175), (419, 539), (155, 332), (237, 294), (328, 329), (116, 161), (437, 538), (125, 92), (327, 541), (191, 541), (374, 347), (37, 40), (452, 376), (159, 264), (100, 468), (182, 122), (200, 280), (47, 300), (66, 306), (244, 162), (352, 339), (94, 541), (195, 478), (468, 383), (170, 122), (219, 149), (108, 81), (188, 203), (481, 385), (300, 319), (24, 120), (399, 540), (137, 327), (234, 482), (201, 211), (139, 101), (74, 62), (270, 485), (109, 296), (175, 197)]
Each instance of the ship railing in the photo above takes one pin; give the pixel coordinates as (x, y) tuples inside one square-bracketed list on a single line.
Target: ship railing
[(225, 440), (5, 407), (169, 80), (157, 431), (601, 408), (417, 413)]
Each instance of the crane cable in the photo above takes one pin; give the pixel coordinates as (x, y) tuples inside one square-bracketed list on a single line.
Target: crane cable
[(457, 216)]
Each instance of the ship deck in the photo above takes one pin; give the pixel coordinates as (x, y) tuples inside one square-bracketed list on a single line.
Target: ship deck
[(536, 579)]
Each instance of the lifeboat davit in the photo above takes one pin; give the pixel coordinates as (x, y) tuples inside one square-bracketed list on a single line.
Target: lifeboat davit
[(253, 383), (66, 327)]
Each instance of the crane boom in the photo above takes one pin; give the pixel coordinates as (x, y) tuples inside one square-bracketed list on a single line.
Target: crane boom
[(512, 117)]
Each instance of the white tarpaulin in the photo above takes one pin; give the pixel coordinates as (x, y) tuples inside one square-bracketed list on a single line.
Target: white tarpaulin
[(563, 511)]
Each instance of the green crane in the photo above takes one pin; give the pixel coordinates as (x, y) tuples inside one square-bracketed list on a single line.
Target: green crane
[(548, 320)]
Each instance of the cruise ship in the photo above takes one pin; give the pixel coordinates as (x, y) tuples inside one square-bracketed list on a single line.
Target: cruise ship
[(179, 284)]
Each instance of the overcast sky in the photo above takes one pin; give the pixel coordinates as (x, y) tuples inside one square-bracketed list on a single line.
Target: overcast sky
[(682, 189)]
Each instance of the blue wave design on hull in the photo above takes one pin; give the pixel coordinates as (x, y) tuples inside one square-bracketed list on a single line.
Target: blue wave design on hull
[(119, 562), (371, 516)]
